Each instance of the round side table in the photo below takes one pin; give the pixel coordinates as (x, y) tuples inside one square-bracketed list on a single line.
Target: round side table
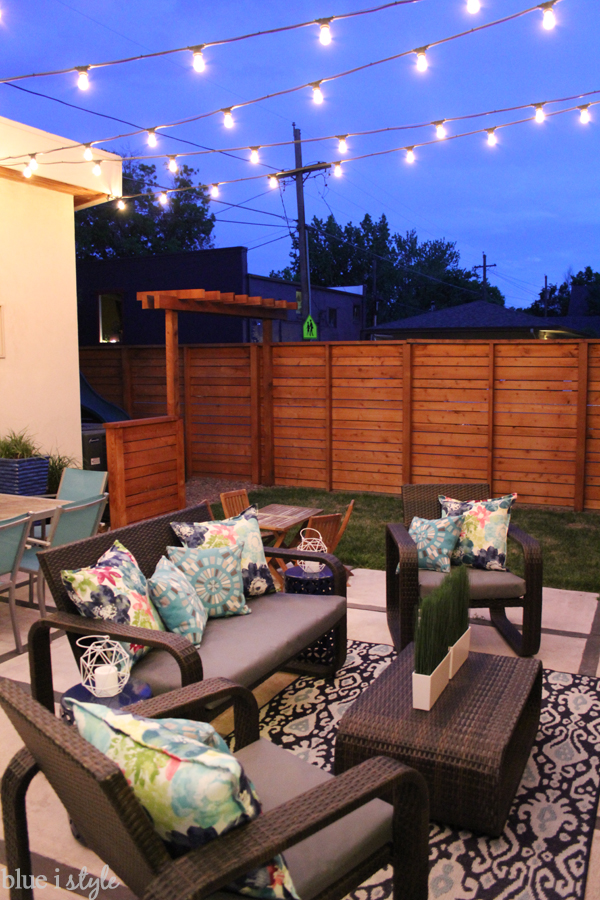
[(297, 581), (131, 693)]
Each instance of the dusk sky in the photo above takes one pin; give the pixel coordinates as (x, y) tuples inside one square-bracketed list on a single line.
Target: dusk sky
[(530, 202)]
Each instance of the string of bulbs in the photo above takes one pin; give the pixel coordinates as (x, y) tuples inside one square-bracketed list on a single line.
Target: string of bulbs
[(549, 20)]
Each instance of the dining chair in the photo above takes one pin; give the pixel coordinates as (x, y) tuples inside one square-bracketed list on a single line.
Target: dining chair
[(234, 503), (76, 484), (342, 527), (72, 522), (327, 526), (13, 537)]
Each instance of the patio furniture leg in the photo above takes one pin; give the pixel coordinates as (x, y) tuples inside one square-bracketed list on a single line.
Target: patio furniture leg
[(41, 592), (31, 603), (12, 605), (509, 632), (15, 781)]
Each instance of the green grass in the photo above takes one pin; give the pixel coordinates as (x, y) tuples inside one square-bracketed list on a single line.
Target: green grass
[(570, 541)]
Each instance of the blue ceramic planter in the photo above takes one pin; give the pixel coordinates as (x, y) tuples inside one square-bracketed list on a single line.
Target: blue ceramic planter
[(24, 476)]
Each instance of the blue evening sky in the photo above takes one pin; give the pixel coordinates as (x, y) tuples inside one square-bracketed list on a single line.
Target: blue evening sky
[(531, 202)]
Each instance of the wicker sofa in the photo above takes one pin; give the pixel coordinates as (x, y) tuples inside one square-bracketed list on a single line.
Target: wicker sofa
[(244, 649)]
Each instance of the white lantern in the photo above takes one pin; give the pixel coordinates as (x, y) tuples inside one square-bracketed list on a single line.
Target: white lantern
[(312, 541), (104, 667)]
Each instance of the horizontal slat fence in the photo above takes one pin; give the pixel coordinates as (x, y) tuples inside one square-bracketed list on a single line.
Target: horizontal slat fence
[(523, 415)]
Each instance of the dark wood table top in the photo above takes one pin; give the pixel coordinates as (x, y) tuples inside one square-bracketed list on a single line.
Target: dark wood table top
[(279, 517)]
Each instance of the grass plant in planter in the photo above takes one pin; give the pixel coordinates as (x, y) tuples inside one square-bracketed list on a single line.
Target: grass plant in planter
[(459, 632), (23, 470)]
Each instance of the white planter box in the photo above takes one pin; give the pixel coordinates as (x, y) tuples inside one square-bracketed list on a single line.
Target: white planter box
[(427, 688), (459, 652)]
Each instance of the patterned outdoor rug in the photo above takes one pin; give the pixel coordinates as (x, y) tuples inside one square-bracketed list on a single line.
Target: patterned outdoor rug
[(543, 853)]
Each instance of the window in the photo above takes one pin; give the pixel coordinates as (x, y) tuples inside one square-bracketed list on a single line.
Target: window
[(299, 302), (332, 317), (111, 318), (356, 313)]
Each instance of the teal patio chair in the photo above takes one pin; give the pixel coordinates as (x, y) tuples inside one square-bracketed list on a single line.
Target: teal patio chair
[(71, 522), (13, 537), (76, 484)]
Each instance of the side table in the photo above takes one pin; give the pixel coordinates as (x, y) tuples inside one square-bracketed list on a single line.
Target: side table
[(471, 748), (131, 693), (297, 581)]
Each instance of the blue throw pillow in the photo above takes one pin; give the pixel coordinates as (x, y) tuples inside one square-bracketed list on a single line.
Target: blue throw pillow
[(216, 576), (435, 540), (176, 601)]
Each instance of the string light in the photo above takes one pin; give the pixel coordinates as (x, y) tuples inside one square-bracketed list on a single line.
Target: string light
[(549, 19), (273, 181), (83, 81), (162, 198), (227, 117), (325, 31), (27, 173), (33, 163), (214, 190), (410, 154), (254, 154), (152, 141), (421, 59), (120, 204), (337, 169), (540, 115), (317, 93), (173, 167), (491, 137), (198, 59), (87, 153), (97, 170), (440, 130), (473, 6), (343, 146), (584, 114)]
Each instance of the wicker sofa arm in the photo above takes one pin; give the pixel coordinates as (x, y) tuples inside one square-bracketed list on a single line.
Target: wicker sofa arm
[(338, 570), (40, 662), (402, 583), (188, 703), (16, 779), (200, 873), (532, 552)]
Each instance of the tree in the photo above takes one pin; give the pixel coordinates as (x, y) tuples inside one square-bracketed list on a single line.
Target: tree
[(404, 277), (559, 296), (145, 227)]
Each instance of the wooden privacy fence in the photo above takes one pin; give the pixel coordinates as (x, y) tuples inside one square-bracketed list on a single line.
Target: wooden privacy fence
[(523, 415)]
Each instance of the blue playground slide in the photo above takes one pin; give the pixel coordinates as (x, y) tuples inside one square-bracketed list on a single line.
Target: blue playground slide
[(94, 408)]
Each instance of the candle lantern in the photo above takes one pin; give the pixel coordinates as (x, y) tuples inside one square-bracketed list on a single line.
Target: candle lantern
[(104, 666), (312, 541)]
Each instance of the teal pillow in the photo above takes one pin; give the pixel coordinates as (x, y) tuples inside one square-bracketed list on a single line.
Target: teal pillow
[(187, 780), (216, 576), (435, 540), (176, 601)]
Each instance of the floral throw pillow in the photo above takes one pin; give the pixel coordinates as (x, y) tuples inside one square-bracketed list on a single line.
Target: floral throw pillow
[(243, 529), (187, 780), (484, 533), (114, 589), (216, 577), (176, 601), (435, 540)]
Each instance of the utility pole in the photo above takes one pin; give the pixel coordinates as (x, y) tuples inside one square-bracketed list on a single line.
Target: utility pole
[(545, 296), (302, 232), (486, 265), (375, 301)]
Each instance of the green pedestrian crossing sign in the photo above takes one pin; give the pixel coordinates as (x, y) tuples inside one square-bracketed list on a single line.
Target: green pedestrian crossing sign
[(309, 330)]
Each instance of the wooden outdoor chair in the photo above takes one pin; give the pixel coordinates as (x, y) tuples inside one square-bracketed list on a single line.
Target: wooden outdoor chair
[(234, 503), (342, 527), (334, 830), (494, 590)]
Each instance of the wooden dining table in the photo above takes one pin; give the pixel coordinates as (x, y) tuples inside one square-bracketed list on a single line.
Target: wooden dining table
[(18, 504), (279, 519)]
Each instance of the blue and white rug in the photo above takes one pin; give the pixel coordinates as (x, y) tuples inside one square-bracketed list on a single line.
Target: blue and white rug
[(543, 853)]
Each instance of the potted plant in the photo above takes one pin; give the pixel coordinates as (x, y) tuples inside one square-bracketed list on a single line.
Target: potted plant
[(23, 469)]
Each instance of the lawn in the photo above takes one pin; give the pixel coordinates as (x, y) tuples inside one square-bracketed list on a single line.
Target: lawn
[(570, 541)]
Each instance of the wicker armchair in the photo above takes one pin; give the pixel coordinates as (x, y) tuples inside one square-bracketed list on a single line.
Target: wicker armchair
[(492, 590), (337, 833)]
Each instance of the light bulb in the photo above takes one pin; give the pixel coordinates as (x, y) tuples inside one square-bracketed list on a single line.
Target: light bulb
[(549, 20), (27, 172), (343, 146), (254, 154), (214, 190), (440, 130), (473, 6), (87, 153), (317, 93), (540, 115), (33, 163), (199, 64), (337, 169), (120, 204), (83, 81), (97, 170), (325, 34), (273, 181), (162, 198), (152, 138), (410, 154), (584, 115), (492, 139), (173, 167), (227, 118), (421, 60)]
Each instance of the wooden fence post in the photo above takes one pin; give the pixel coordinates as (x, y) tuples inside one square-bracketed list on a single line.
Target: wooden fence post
[(581, 426), (328, 421), (187, 412), (407, 413), (267, 349), (172, 361), (116, 469), (255, 424), (127, 386), (490, 447)]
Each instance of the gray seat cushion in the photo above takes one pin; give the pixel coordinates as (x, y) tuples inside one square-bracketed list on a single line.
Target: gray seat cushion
[(246, 648), (321, 859), (484, 584)]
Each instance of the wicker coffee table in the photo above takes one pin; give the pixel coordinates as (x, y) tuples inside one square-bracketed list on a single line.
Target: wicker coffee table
[(472, 747)]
